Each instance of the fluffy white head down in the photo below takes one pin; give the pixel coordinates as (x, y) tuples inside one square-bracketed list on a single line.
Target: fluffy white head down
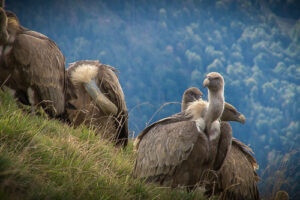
[(84, 73), (197, 109)]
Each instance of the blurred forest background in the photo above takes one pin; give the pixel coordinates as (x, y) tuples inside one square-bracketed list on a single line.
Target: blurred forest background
[(162, 47)]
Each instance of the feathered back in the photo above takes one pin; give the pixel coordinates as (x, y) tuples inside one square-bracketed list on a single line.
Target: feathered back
[(172, 119), (165, 148), (247, 151), (30, 61), (237, 179)]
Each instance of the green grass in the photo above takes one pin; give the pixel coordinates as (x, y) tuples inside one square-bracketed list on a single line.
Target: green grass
[(46, 159)]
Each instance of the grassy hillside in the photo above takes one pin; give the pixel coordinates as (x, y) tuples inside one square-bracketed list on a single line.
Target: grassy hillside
[(45, 159)]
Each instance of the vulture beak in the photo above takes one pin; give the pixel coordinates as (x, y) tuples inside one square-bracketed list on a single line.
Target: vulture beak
[(242, 119), (205, 82), (101, 100)]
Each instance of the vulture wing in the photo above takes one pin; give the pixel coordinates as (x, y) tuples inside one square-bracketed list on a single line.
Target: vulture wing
[(171, 119), (110, 86), (247, 151), (44, 68), (167, 148), (237, 178)]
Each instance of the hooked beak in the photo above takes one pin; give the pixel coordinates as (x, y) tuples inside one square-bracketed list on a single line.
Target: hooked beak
[(242, 119), (205, 82)]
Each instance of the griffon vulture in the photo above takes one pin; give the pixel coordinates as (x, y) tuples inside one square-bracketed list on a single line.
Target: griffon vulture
[(176, 151), (31, 65), (237, 178), (95, 98)]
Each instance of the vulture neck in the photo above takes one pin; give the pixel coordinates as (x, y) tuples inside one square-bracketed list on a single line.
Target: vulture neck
[(215, 106)]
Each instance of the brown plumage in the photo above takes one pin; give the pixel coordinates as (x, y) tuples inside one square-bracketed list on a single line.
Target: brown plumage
[(101, 105), (176, 151), (31, 65), (237, 178)]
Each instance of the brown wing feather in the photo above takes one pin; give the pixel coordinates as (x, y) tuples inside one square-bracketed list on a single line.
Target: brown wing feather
[(237, 178), (109, 84), (36, 35), (247, 152), (171, 119), (167, 149)]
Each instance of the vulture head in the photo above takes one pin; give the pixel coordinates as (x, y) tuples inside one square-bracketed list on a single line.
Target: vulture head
[(214, 82), (190, 95)]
